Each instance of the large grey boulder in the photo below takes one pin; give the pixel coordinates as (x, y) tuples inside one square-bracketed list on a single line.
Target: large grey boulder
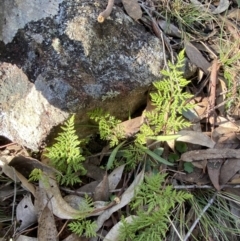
[(56, 59)]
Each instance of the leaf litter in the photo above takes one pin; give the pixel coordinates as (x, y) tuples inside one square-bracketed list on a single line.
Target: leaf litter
[(212, 141)]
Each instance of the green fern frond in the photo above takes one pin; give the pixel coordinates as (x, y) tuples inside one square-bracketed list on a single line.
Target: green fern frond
[(133, 155), (35, 175), (108, 126), (65, 155), (153, 203), (144, 132), (83, 227), (170, 101)]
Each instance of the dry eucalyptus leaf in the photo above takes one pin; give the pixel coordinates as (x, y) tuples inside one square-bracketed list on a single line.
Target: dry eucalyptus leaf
[(16, 176), (132, 126), (214, 168), (7, 170), (191, 115), (25, 165), (26, 213), (201, 165), (194, 137), (115, 176), (74, 201), (197, 176), (169, 29), (89, 187), (228, 170), (93, 171), (47, 230), (40, 200), (132, 8), (25, 238), (114, 233), (75, 237), (199, 155), (25, 183), (222, 121), (56, 203), (101, 192), (196, 57), (227, 140), (234, 14), (235, 179), (125, 199), (223, 6)]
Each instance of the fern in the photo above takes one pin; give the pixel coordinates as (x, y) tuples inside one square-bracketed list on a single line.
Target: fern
[(133, 154), (169, 101), (65, 155), (108, 126), (83, 226), (153, 204), (35, 175)]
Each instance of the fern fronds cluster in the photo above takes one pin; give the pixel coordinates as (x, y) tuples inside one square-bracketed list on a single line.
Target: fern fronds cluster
[(65, 155), (108, 126), (169, 101), (133, 155), (83, 226), (154, 205), (35, 175)]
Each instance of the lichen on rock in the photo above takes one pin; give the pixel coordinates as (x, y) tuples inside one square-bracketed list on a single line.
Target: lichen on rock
[(73, 61)]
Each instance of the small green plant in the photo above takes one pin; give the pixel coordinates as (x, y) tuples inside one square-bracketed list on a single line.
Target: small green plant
[(83, 226), (153, 204), (65, 155), (35, 175), (108, 126), (169, 101)]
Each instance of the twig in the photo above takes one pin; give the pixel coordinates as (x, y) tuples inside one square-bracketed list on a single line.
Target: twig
[(103, 15), (209, 50), (9, 144), (180, 238), (210, 202), (178, 187), (67, 190), (158, 32), (63, 227), (14, 199), (212, 97)]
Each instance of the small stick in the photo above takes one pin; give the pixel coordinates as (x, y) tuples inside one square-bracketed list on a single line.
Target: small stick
[(103, 15), (9, 144), (212, 97), (210, 202)]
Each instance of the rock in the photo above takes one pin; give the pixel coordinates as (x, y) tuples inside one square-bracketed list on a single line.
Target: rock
[(26, 116), (56, 59)]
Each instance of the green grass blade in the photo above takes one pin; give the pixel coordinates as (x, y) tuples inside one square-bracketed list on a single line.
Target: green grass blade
[(113, 155), (158, 158)]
